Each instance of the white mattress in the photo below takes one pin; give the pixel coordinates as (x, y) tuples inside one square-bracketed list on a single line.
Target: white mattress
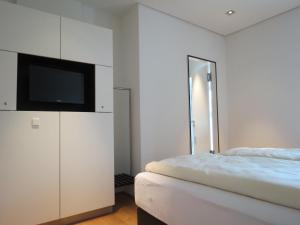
[(265, 178), (178, 202)]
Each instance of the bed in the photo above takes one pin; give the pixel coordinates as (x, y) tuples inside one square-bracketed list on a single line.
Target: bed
[(167, 197)]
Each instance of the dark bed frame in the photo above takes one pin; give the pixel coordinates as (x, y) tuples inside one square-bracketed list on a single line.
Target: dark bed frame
[(145, 218)]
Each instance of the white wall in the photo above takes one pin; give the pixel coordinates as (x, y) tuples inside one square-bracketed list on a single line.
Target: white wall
[(129, 70), (263, 83), (164, 43), (122, 131)]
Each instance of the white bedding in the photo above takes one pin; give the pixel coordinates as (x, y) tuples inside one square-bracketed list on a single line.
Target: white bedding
[(269, 179), (178, 202), (278, 153)]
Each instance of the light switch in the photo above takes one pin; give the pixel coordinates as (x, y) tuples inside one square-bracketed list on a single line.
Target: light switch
[(35, 122)]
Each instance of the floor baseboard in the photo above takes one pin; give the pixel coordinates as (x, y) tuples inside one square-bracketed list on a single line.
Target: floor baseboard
[(81, 217)]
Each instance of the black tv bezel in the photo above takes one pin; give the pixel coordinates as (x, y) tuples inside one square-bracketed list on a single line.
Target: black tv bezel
[(23, 99)]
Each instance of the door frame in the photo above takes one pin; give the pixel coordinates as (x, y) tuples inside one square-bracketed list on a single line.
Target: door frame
[(189, 106)]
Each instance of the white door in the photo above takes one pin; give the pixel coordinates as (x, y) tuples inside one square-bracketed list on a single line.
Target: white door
[(8, 80), (87, 162), (87, 43), (104, 89), (29, 31), (29, 167)]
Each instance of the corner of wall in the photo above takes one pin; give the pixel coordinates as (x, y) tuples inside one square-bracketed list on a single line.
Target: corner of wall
[(129, 65)]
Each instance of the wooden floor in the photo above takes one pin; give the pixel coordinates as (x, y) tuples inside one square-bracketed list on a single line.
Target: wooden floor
[(125, 213)]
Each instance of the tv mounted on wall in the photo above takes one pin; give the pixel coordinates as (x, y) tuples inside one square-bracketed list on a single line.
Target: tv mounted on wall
[(46, 84)]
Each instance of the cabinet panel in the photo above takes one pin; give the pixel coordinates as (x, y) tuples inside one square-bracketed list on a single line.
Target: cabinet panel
[(8, 80), (104, 89), (87, 162), (29, 168), (86, 43), (29, 31)]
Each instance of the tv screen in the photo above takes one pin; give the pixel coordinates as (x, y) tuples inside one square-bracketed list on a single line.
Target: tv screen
[(47, 84), (54, 85)]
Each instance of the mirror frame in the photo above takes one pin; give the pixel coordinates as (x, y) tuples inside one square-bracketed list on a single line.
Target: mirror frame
[(189, 105)]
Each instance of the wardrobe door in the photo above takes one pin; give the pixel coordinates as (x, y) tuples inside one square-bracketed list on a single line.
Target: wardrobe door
[(104, 89), (87, 162), (29, 167), (29, 31), (8, 80), (87, 43)]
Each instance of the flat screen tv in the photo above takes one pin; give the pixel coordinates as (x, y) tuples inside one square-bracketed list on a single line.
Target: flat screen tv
[(46, 84)]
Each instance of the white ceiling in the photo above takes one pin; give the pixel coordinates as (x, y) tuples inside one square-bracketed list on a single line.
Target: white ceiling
[(209, 14)]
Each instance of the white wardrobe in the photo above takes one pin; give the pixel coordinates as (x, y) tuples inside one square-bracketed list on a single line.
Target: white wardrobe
[(29, 168), (86, 163), (54, 165)]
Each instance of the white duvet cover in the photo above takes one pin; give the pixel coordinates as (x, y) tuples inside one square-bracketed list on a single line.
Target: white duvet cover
[(278, 153), (269, 179)]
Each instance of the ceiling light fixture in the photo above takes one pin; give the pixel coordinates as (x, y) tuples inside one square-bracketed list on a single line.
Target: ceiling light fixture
[(230, 12)]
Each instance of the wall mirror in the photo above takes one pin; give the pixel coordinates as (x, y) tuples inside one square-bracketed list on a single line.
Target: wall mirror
[(203, 105)]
